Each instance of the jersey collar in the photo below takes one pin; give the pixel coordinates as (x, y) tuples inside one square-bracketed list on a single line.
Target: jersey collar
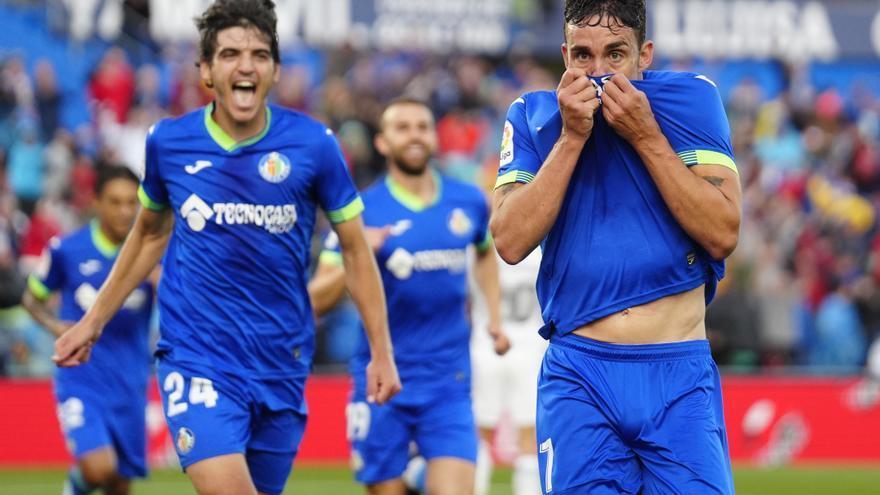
[(226, 141), (104, 245), (410, 200)]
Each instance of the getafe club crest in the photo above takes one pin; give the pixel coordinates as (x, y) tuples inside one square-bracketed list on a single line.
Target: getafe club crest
[(274, 167), (459, 223), (185, 440)]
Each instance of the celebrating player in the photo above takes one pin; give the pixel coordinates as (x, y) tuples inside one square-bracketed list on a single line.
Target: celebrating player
[(428, 222), (241, 181), (626, 177), (102, 412)]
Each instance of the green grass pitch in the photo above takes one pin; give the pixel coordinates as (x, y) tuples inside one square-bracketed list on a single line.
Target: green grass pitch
[(311, 480)]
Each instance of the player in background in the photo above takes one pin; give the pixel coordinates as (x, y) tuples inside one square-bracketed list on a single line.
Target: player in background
[(233, 189), (634, 197), (428, 222), (508, 384), (101, 411)]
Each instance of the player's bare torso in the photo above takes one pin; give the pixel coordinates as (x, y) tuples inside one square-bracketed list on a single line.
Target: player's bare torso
[(674, 318)]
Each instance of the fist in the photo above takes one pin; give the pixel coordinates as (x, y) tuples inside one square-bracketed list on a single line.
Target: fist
[(578, 102)]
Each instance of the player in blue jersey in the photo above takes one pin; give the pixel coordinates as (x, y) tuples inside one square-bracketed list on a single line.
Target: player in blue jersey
[(424, 224), (102, 412), (232, 190), (626, 179)]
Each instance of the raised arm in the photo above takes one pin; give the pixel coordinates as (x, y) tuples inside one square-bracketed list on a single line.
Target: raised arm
[(142, 250), (706, 198), (524, 213), (365, 286)]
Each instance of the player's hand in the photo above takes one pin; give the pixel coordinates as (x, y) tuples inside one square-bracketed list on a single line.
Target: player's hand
[(74, 346), (578, 103), (500, 342), (627, 110), (376, 236), (382, 380)]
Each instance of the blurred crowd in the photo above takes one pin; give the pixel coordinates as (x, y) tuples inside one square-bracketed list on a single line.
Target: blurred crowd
[(803, 287)]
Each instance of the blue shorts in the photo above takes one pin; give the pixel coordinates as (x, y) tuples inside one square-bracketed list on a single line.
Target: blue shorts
[(211, 413), (632, 419), (90, 423), (440, 424)]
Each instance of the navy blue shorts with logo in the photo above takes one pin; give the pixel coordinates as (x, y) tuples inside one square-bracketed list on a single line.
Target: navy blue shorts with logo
[(633, 419), (212, 413)]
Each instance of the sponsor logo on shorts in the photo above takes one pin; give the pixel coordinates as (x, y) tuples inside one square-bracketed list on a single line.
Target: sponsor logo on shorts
[(186, 440)]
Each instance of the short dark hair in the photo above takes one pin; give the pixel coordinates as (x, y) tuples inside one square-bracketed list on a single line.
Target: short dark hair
[(625, 13), (403, 100), (108, 173), (223, 14)]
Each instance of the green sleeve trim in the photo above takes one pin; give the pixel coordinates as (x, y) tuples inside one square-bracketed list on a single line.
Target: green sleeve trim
[(707, 157), (330, 258), (147, 201), (38, 288), (514, 176), (486, 244), (347, 212)]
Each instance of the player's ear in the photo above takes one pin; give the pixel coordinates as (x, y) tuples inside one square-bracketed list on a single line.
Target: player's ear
[(646, 55), (276, 76), (565, 54), (205, 73), (380, 144)]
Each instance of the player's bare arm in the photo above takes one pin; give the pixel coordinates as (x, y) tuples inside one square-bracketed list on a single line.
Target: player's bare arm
[(142, 250), (365, 285), (327, 286), (486, 276), (41, 313), (704, 199), (540, 200)]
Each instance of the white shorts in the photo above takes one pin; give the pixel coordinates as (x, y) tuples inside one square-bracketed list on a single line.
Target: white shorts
[(507, 383)]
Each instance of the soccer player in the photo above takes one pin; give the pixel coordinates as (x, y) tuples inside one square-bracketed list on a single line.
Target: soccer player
[(508, 383), (102, 412), (634, 197), (428, 222), (232, 189)]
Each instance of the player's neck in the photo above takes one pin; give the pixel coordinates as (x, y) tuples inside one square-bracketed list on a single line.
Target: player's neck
[(239, 131), (422, 186), (104, 235)]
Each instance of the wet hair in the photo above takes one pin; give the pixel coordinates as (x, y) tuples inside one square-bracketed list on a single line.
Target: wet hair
[(223, 14), (403, 100), (109, 173), (610, 13)]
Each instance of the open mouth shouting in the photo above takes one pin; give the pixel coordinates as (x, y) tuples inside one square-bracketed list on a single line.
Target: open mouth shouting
[(244, 94)]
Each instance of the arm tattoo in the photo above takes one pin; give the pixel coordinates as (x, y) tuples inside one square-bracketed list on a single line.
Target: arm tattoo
[(502, 192), (506, 189), (715, 181)]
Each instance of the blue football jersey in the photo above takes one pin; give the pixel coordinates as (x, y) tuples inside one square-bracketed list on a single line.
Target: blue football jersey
[(233, 292), (423, 264), (615, 243), (76, 267)]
